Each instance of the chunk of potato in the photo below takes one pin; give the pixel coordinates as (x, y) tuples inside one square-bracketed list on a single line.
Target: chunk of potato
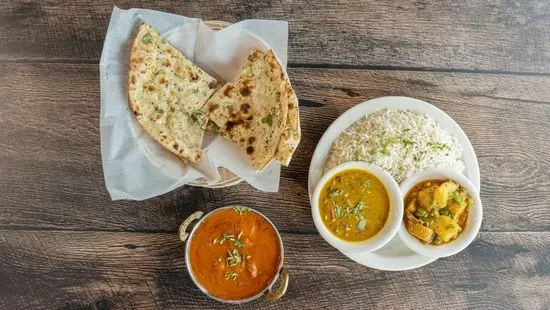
[(442, 192), (421, 232), (446, 228), (456, 209), (426, 198)]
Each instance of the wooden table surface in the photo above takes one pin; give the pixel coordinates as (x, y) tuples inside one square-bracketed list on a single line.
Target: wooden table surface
[(65, 245)]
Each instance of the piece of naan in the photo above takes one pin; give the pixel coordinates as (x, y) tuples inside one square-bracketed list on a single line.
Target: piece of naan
[(252, 110), (290, 138), (168, 94)]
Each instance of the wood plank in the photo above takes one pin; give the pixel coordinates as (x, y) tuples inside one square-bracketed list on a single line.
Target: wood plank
[(468, 35), (51, 167), (45, 270)]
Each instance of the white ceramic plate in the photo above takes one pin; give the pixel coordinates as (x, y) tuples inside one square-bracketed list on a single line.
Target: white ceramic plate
[(395, 255)]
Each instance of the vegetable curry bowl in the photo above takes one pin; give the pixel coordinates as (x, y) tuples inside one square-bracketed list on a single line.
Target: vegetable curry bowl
[(234, 254), (442, 212), (436, 211), (357, 207)]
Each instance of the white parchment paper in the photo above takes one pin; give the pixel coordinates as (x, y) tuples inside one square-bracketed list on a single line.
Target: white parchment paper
[(134, 165)]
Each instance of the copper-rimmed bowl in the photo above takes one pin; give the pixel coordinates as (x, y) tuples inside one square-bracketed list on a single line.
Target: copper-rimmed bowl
[(269, 291)]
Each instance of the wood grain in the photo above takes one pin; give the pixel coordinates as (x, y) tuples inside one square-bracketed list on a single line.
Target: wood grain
[(52, 175), (62, 270), (467, 35), (65, 245)]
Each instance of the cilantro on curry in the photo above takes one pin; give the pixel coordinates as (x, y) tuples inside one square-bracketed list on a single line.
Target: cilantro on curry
[(354, 205)]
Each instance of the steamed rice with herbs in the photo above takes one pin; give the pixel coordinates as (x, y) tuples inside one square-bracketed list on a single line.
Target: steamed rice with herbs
[(399, 141)]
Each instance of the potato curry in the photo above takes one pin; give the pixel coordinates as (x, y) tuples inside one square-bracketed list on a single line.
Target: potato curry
[(235, 253), (436, 211), (354, 205)]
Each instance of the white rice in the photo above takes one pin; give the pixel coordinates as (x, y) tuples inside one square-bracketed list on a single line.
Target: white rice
[(399, 141)]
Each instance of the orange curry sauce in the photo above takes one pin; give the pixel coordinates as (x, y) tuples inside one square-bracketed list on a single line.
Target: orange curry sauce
[(234, 253)]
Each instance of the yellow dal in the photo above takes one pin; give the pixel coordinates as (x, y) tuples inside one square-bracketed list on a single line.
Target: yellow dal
[(354, 205)]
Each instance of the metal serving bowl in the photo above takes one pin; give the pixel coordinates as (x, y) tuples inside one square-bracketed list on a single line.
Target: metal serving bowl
[(268, 291)]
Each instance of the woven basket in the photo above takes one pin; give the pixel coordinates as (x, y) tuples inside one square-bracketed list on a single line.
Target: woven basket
[(228, 178)]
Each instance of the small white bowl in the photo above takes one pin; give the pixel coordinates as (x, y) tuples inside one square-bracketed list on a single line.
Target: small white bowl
[(390, 227), (473, 222)]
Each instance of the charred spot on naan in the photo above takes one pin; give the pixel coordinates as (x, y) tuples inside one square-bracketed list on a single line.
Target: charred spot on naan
[(163, 136), (133, 80), (238, 118), (245, 108), (212, 107), (227, 90), (255, 53), (192, 75), (232, 123), (245, 90), (136, 60), (272, 64)]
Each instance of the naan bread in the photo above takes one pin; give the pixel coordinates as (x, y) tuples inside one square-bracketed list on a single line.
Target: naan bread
[(168, 94), (290, 138), (252, 111)]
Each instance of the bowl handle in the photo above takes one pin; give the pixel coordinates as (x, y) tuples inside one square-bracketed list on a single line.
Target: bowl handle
[(183, 227), (281, 290)]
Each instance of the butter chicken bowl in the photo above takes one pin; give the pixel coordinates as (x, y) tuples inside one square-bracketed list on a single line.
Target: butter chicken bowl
[(442, 212), (234, 254), (357, 207)]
